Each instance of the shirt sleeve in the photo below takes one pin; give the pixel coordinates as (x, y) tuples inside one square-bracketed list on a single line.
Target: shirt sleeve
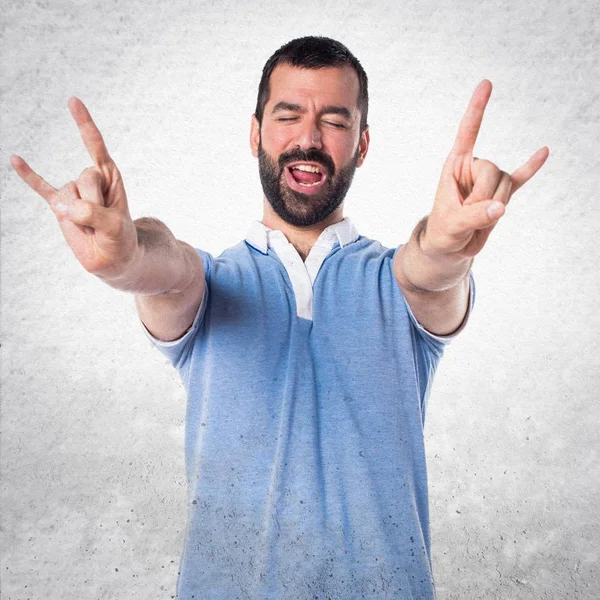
[(177, 351), (427, 347)]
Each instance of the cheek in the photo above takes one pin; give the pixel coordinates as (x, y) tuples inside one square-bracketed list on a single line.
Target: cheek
[(343, 150), (275, 140)]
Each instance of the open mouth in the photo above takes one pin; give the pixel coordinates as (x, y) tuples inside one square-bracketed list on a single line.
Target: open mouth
[(306, 178)]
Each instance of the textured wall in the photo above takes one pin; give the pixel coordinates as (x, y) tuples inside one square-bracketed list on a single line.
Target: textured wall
[(92, 416)]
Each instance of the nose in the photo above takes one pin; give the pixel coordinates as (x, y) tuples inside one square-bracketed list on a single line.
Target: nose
[(309, 135)]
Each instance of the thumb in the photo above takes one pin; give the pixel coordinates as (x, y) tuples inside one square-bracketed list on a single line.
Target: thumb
[(481, 215), (87, 214)]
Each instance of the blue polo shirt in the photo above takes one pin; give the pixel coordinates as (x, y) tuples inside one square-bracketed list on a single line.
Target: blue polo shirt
[(307, 385)]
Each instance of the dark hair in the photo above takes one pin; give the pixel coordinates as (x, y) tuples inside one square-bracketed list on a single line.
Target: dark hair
[(314, 53)]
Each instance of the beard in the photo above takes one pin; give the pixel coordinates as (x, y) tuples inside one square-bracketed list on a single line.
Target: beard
[(302, 210)]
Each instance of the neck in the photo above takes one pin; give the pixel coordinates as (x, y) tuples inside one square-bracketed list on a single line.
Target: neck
[(302, 238)]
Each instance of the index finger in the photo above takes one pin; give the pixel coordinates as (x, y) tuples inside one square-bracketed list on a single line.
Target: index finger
[(90, 134), (471, 121)]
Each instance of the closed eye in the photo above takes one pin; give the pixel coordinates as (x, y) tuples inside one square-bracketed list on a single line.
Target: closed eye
[(336, 125)]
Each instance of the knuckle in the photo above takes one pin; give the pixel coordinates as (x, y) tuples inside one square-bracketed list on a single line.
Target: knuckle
[(489, 167), (86, 211), (486, 169), (89, 176), (69, 190)]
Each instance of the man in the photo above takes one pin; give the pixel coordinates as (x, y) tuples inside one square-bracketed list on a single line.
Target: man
[(307, 350)]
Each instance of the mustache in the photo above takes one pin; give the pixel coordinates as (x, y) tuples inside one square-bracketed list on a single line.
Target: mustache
[(312, 155)]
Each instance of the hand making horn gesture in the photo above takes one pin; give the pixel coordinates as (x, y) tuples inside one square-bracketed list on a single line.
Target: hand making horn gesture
[(92, 212), (472, 194)]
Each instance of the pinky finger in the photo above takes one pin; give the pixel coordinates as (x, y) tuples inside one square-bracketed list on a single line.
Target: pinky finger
[(31, 178), (523, 174)]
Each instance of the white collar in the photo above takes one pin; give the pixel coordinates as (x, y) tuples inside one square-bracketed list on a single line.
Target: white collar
[(261, 237)]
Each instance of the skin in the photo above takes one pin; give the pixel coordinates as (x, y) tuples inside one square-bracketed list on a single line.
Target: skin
[(309, 127), (142, 257), (472, 194), (471, 198), (167, 276)]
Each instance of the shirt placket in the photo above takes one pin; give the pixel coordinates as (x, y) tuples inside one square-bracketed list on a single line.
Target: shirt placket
[(301, 274)]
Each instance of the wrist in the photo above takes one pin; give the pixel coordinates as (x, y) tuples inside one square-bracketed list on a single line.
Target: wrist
[(422, 267), (427, 243), (158, 264), (123, 275)]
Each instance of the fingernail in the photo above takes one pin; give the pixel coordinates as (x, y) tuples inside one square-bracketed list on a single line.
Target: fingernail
[(65, 209), (495, 209)]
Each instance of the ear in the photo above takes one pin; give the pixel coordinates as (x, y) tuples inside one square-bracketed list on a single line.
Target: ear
[(254, 136), (363, 146)]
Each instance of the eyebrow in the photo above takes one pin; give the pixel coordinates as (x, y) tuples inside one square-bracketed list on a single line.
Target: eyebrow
[(330, 109), (285, 106)]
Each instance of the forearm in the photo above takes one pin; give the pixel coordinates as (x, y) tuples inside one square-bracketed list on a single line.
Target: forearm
[(419, 269), (161, 265), (167, 278), (435, 287)]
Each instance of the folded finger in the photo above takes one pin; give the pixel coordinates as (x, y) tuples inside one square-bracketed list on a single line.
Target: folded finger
[(486, 179), (63, 200), (32, 179), (89, 185), (504, 190)]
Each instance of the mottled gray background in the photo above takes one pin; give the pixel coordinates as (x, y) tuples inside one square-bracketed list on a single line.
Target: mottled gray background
[(92, 416)]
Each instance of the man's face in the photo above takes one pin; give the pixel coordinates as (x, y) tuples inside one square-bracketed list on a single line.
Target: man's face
[(309, 144)]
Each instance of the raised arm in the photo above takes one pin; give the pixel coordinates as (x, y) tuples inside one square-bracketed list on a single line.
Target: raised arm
[(141, 257), (432, 268)]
